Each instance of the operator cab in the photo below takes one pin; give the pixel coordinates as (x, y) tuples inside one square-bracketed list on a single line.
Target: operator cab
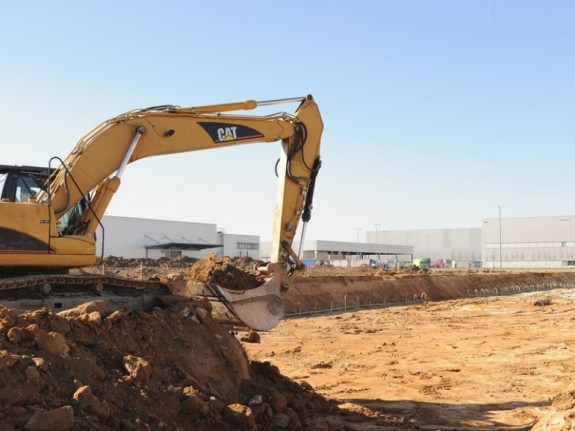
[(19, 183)]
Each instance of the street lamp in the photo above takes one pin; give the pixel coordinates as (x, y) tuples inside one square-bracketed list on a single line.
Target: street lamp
[(358, 253), (357, 236), (407, 243), (500, 245), (376, 240), (385, 243)]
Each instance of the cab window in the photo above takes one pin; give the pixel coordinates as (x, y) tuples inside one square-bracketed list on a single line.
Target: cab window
[(26, 187), (3, 178)]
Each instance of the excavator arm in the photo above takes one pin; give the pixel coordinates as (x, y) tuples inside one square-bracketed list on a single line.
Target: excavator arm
[(95, 165), (55, 229)]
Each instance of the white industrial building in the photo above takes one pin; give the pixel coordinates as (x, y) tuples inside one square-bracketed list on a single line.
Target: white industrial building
[(521, 242), (131, 237), (346, 254), (444, 247), (528, 242)]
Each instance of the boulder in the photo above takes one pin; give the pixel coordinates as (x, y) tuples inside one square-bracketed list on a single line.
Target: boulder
[(60, 419)]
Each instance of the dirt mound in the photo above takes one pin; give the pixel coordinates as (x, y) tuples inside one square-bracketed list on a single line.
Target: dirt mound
[(225, 272), (121, 262), (171, 369)]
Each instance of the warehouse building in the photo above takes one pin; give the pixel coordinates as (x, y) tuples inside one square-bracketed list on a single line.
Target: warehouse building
[(454, 248), (528, 242), (347, 254), (132, 237), (521, 242), (518, 242)]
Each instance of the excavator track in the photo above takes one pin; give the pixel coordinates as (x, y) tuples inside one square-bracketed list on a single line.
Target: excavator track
[(63, 291), (260, 308)]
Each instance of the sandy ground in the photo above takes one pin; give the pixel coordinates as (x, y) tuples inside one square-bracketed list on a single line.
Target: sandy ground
[(476, 363)]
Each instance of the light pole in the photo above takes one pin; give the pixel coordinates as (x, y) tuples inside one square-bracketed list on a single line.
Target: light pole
[(500, 245), (385, 243), (357, 235), (376, 240), (407, 243), (357, 255)]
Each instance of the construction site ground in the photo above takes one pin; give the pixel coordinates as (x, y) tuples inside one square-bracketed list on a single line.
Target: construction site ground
[(472, 363), (361, 349)]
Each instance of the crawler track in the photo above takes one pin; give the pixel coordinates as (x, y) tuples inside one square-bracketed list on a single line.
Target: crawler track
[(63, 291)]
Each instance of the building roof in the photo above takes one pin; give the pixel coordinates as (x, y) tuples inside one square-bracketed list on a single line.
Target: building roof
[(182, 246)]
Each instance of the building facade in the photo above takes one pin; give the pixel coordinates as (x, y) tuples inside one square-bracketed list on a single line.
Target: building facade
[(235, 245), (444, 247), (346, 254), (528, 242), (132, 237), (522, 242)]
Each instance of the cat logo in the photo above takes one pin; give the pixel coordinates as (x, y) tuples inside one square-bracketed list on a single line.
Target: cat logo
[(225, 132)]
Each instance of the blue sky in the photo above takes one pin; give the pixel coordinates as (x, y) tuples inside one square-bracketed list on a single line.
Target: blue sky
[(435, 111)]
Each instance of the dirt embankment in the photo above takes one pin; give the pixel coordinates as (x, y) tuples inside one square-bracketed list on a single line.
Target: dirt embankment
[(326, 289)]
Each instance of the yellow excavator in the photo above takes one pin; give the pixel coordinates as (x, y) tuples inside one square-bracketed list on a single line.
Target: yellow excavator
[(49, 216)]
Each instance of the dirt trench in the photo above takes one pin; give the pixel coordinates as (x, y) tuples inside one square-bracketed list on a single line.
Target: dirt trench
[(327, 289)]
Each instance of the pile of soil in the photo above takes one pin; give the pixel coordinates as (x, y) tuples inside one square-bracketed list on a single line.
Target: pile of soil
[(120, 262), (139, 268), (225, 272), (171, 369)]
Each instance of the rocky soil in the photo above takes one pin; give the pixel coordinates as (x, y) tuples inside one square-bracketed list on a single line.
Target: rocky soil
[(227, 273), (172, 369), (442, 350)]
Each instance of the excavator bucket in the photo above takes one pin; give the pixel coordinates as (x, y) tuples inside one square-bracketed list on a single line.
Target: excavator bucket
[(260, 308)]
